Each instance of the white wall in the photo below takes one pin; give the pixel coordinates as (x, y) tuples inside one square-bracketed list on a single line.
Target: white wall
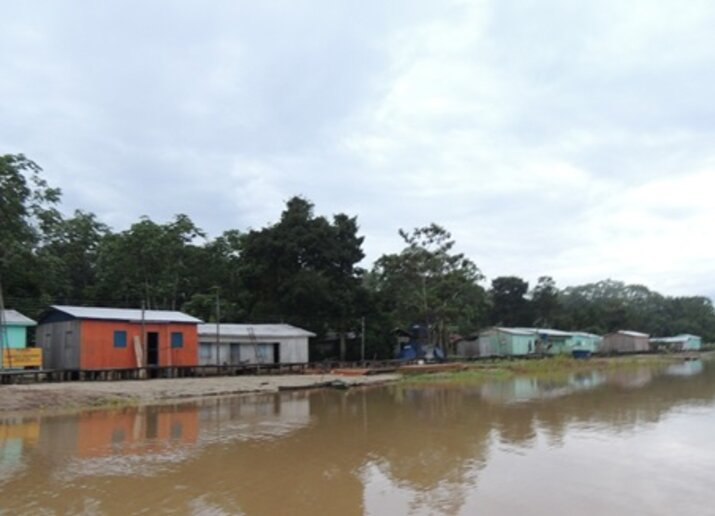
[(292, 350)]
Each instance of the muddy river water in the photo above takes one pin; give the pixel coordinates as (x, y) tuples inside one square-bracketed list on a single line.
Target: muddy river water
[(622, 442)]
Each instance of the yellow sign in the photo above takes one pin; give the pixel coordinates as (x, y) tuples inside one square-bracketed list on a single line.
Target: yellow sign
[(22, 357)]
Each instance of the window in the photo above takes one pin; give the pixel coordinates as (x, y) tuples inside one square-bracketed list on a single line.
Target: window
[(120, 339), (205, 351), (177, 339)]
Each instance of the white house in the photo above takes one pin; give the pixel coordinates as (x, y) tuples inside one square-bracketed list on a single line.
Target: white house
[(252, 344)]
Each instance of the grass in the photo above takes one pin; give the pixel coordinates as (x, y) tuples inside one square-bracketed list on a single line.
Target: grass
[(562, 364)]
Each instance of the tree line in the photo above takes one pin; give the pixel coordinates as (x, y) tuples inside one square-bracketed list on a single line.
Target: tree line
[(304, 269)]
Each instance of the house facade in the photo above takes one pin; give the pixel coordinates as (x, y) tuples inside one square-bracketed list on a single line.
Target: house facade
[(74, 337), (13, 337), (507, 342), (586, 341), (625, 341), (499, 341), (14, 334), (236, 344), (683, 342)]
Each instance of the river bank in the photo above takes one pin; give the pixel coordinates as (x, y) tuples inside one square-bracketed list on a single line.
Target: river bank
[(557, 365), (50, 397), (68, 396)]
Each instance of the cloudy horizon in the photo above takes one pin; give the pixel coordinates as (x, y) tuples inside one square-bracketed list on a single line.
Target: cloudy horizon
[(560, 138)]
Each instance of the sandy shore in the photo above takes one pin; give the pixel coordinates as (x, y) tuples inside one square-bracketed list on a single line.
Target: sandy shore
[(78, 395)]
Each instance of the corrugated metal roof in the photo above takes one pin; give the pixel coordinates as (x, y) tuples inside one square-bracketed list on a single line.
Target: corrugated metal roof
[(259, 330), (677, 338), (17, 319), (516, 331), (586, 334), (632, 333), (547, 331), (126, 314)]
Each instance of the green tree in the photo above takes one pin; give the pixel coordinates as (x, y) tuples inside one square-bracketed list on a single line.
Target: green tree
[(545, 302), (303, 270), (149, 263), (27, 212), (428, 283), (216, 265), (69, 257), (509, 304)]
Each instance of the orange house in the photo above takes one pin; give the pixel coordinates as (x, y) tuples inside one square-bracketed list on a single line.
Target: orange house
[(78, 337)]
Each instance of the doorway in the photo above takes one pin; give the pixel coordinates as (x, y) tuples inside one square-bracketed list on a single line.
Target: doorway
[(276, 353), (152, 349)]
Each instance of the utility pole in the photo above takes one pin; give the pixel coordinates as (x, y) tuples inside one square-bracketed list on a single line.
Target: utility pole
[(218, 328), (3, 329), (362, 340), (144, 350)]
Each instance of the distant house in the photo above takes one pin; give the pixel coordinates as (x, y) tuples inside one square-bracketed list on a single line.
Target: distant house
[(551, 341), (499, 341), (507, 342), (625, 342), (588, 341), (253, 344), (468, 346), (14, 334), (683, 342), (78, 337)]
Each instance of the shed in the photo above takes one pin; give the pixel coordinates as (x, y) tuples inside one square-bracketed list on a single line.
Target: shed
[(683, 342), (14, 334), (78, 337), (468, 347), (625, 342), (253, 344)]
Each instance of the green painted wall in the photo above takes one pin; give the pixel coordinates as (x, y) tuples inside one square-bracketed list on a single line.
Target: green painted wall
[(693, 343), (585, 342), (509, 344), (16, 336)]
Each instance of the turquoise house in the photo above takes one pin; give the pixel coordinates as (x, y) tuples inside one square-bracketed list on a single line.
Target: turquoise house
[(683, 342), (553, 342), (507, 342), (588, 341), (14, 331)]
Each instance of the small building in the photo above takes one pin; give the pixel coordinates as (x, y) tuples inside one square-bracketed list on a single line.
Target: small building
[(78, 337), (586, 341), (468, 347), (625, 342), (507, 342), (253, 344), (683, 342), (13, 335), (553, 342)]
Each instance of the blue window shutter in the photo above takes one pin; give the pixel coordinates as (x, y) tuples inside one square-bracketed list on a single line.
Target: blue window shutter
[(177, 339), (120, 339)]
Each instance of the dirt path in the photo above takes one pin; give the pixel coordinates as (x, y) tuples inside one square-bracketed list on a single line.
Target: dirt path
[(78, 395)]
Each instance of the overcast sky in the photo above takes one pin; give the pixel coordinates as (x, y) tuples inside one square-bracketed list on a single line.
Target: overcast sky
[(563, 138)]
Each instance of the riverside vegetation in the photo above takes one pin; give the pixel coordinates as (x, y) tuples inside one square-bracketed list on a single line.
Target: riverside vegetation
[(304, 269)]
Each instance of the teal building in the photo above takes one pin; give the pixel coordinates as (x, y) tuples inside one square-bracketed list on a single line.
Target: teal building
[(507, 342), (683, 342), (13, 334), (587, 341)]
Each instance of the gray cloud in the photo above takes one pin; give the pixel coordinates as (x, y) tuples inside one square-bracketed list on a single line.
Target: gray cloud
[(563, 138)]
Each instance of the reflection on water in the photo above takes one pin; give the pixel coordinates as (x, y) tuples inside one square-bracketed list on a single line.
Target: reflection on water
[(628, 441)]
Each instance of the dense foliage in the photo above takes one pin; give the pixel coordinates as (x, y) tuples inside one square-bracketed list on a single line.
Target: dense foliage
[(304, 269)]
